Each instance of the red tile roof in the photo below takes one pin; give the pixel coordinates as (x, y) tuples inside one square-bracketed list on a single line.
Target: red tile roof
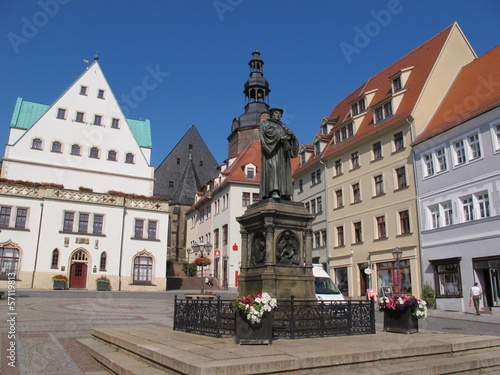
[(476, 89), (422, 59)]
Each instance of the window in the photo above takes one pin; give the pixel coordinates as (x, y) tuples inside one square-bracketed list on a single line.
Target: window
[(22, 214), (447, 213), (55, 259), (61, 113), (381, 227), (357, 232), (354, 160), (216, 238), (98, 224), (80, 117), (474, 146), (396, 84), (9, 259), (356, 193), (340, 236), (338, 167), (301, 186), (323, 236), (103, 261), (112, 155), (317, 239), (152, 229), (97, 120), (434, 217), (459, 152), (302, 157), (115, 123), (319, 203), (358, 107), (69, 217), (251, 173), (100, 94), (255, 198), (83, 90), (83, 223), (5, 216), (496, 136), (56, 147), (344, 133), (401, 177), (379, 185), (245, 199), (447, 277), (313, 206), (313, 178), (36, 144), (398, 141), (129, 158), (484, 205), (377, 151), (224, 235), (468, 208), (75, 150), (387, 275), (190, 147), (317, 148), (339, 198), (441, 160), (143, 270), (429, 165), (342, 280), (404, 222), (383, 111), (308, 207), (138, 228), (94, 153)]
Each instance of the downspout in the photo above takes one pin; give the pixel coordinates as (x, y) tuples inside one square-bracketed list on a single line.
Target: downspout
[(37, 245), (121, 248)]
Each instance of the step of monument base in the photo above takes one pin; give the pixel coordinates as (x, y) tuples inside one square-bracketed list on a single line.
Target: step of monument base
[(160, 350)]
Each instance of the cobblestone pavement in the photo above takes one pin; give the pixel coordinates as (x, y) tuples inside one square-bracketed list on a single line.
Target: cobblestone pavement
[(48, 323)]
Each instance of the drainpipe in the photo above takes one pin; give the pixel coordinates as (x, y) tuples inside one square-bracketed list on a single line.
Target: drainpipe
[(121, 248), (37, 245)]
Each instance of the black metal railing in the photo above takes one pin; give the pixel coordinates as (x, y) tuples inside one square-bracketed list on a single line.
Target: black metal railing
[(293, 319)]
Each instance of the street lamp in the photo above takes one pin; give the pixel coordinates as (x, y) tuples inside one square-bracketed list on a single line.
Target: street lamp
[(200, 250), (396, 253)]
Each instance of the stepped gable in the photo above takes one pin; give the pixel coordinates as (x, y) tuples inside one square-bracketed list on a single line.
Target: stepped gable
[(421, 60), (185, 170), (474, 91)]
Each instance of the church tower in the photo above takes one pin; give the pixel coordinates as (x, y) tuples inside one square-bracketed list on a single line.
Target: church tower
[(245, 129)]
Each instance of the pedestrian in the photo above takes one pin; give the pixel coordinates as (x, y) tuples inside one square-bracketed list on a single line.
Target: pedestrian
[(475, 295)]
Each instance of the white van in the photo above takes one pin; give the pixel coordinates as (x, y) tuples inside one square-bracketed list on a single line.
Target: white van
[(326, 289)]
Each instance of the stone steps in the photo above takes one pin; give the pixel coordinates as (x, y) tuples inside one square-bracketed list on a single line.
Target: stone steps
[(153, 350)]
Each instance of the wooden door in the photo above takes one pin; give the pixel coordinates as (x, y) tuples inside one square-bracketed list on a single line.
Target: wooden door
[(78, 276)]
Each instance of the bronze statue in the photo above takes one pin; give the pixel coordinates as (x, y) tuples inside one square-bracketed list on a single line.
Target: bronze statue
[(279, 145)]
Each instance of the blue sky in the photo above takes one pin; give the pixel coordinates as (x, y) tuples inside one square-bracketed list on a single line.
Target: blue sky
[(315, 52)]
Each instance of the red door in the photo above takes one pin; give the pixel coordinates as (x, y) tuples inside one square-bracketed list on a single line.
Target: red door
[(78, 276)]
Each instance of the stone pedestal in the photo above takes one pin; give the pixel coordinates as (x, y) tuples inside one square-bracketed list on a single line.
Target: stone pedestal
[(276, 256)]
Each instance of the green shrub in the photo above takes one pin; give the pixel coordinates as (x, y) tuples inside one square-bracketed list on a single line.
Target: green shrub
[(189, 269), (428, 296)]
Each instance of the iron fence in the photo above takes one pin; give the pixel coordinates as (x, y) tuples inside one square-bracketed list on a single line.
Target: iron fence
[(292, 319)]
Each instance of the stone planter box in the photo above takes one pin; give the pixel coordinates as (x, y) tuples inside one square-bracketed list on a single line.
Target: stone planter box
[(59, 285), (247, 333), (103, 286), (400, 321)]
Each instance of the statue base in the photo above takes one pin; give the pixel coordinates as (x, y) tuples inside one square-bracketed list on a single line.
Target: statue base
[(276, 250)]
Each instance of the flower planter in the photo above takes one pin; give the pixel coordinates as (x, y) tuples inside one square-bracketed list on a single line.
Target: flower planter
[(247, 333), (59, 285), (102, 286), (400, 321)]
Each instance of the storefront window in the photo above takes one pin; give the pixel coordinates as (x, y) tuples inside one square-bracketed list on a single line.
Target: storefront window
[(388, 276), (341, 280), (447, 277)]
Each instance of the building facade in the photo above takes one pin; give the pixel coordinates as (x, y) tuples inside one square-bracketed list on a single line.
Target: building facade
[(75, 194)]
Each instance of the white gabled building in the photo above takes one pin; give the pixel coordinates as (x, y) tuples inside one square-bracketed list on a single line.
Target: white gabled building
[(75, 194)]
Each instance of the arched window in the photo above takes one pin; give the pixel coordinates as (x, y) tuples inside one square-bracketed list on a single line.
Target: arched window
[(94, 153), (9, 259), (102, 264), (143, 270), (36, 144), (55, 259), (75, 150), (129, 158)]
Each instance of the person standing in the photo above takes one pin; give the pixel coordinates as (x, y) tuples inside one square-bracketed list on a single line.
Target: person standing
[(475, 295)]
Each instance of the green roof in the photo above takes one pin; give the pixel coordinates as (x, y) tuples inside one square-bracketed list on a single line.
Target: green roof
[(27, 113)]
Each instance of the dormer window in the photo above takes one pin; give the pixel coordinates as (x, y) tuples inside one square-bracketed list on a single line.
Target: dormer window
[(396, 84), (358, 107), (324, 129), (383, 111), (250, 172), (317, 148), (344, 133), (303, 157)]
